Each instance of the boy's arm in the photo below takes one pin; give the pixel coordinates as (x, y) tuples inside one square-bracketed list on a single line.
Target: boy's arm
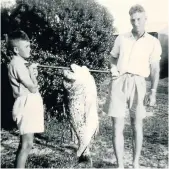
[(24, 76), (33, 73)]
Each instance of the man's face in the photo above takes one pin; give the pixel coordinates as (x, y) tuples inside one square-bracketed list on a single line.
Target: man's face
[(22, 47), (138, 20)]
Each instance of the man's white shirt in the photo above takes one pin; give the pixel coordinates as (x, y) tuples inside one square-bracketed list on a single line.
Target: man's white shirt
[(135, 56)]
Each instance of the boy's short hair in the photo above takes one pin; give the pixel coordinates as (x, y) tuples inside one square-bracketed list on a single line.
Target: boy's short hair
[(15, 36), (18, 35), (136, 8)]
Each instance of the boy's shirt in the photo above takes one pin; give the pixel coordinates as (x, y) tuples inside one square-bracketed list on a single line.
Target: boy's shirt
[(17, 71)]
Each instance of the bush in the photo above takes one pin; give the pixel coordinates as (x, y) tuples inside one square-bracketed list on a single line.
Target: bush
[(62, 32)]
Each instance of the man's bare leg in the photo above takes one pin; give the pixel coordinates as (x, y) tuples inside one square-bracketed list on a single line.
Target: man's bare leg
[(137, 126), (118, 140)]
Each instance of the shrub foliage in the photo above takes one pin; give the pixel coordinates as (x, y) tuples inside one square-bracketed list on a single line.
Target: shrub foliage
[(62, 32)]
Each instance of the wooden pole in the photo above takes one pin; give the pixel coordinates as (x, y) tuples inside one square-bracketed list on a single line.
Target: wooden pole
[(67, 68)]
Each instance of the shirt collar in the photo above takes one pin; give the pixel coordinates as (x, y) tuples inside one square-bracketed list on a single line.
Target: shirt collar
[(20, 59), (143, 36)]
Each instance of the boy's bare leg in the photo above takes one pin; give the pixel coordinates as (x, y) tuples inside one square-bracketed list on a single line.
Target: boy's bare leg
[(24, 148), (118, 140), (137, 126)]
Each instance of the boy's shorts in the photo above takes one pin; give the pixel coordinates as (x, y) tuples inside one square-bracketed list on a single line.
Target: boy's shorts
[(28, 112), (127, 90)]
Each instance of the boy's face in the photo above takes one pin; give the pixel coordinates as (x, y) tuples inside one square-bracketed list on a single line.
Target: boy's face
[(22, 48)]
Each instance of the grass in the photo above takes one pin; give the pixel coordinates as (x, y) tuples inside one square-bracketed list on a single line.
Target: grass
[(48, 152)]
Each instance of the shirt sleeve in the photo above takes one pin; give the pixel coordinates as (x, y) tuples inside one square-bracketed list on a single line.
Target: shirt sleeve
[(116, 48), (157, 51), (22, 74)]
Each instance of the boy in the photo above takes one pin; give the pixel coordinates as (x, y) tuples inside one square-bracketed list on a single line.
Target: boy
[(28, 107)]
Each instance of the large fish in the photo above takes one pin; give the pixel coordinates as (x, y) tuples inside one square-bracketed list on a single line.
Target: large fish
[(82, 105)]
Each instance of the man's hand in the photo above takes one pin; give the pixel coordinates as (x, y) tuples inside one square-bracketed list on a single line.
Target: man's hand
[(150, 99), (114, 72)]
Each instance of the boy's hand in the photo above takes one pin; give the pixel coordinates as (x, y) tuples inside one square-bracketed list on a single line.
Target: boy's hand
[(114, 72), (33, 69)]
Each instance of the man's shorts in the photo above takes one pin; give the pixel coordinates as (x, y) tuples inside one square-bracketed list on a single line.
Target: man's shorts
[(126, 91)]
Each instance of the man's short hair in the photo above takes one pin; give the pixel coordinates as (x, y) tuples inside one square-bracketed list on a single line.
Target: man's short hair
[(16, 36), (136, 8)]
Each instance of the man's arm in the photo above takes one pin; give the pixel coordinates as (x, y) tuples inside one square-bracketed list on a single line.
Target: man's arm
[(114, 57), (112, 61), (154, 76), (154, 70), (155, 63)]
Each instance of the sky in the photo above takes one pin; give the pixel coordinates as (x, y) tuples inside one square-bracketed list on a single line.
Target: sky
[(156, 10)]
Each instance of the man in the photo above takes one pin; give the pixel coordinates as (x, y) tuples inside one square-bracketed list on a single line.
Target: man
[(135, 55)]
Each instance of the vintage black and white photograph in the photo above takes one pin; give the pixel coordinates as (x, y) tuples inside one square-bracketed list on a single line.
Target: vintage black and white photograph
[(84, 84)]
